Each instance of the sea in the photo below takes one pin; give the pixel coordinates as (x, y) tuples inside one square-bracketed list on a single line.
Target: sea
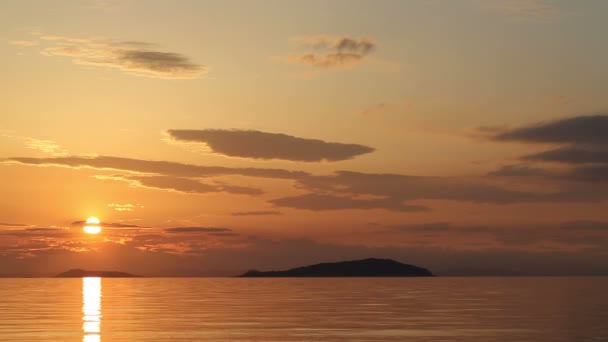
[(305, 309)]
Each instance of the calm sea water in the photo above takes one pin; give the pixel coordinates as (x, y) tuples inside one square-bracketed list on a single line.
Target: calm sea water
[(336, 309)]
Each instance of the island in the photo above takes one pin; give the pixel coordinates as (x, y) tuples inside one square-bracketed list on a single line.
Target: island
[(79, 273), (356, 268)]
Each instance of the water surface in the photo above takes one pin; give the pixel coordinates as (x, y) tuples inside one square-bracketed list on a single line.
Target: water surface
[(318, 309)]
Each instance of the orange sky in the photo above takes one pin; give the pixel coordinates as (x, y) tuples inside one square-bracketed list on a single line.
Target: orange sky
[(213, 137)]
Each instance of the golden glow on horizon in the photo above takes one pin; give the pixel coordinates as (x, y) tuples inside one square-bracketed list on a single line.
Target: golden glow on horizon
[(91, 309)]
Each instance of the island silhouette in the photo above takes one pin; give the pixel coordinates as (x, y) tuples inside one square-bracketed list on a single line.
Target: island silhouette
[(79, 273), (356, 268)]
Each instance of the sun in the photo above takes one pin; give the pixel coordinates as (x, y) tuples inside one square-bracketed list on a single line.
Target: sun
[(92, 226)]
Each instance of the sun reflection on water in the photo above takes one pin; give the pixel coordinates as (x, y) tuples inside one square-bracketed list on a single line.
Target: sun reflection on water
[(91, 309)]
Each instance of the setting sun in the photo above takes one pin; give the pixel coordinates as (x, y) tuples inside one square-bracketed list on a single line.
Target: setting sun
[(92, 226), (93, 220)]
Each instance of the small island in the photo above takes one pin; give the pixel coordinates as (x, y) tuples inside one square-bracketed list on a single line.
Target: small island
[(357, 268), (79, 273)]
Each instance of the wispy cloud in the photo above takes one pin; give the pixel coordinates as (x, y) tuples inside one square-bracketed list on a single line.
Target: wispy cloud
[(180, 184), (124, 207), (149, 167), (6, 224), (38, 232), (46, 146), (109, 224), (197, 230), (131, 57), (44, 229), (332, 51), (257, 213), (25, 43), (262, 145), (42, 145)]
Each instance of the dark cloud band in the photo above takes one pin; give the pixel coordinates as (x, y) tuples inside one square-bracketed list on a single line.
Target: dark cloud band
[(591, 130), (582, 144), (262, 145), (343, 189)]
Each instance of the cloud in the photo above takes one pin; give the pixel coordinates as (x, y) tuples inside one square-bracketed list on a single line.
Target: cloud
[(25, 43), (573, 155), (340, 190), (124, 207), (424, 227), (45, 146), (593, 173), (329, 60), (520, 171), (262, 145), (38, 233), (52, 37), (256, 213), (42, 229), (332, 51), (581, 142), (509, 236), (4, 224), (361, 45), (131, 57), (224, 234), (197, 230), (587, 173), (586, 226), (585, 130), (436, 228), (396, 188), (167, 168), (344, 189), (109, 224), (319, 202), (522, 238), (184, 185)]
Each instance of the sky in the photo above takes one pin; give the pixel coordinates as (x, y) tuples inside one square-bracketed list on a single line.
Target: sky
[(213, 137)]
